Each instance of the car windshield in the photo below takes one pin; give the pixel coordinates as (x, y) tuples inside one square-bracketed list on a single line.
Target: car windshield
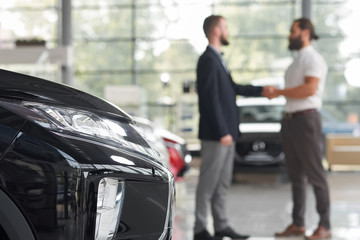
[(261, 113)]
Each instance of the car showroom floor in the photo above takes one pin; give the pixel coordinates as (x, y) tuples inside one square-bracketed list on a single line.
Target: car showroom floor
[(259, 204)]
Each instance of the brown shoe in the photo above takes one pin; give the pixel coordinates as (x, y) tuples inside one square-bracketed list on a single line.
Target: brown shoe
[(320, 233), (292, 231)]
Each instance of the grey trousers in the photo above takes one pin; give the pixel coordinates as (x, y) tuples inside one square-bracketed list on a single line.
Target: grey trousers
[(214, 180), (302, 144)]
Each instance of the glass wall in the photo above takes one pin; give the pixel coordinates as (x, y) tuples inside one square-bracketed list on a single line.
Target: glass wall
[(23, 22), (136, 42)]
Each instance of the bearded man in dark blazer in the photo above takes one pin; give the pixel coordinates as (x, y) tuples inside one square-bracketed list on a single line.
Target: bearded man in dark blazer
[(218, 130)]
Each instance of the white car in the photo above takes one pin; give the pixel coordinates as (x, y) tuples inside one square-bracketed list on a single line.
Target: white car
[(259, 143), (260, 123), (172, 148)]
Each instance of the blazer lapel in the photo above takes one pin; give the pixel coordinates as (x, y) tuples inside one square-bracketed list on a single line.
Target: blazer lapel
[(219, 59)]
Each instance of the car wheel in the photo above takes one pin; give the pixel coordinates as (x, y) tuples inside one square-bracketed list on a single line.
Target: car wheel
[(13, 225)]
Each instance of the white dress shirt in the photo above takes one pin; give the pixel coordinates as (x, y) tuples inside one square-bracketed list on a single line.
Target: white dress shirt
[(307, 63)]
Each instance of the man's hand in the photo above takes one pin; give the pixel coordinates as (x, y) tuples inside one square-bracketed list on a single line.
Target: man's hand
[(226, 140), (270, 92)]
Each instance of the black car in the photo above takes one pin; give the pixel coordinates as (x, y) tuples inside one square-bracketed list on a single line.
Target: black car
[(73, 166), (259, 143)]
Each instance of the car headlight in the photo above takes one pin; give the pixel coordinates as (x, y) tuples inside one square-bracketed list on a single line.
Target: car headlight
[(109, 205), (82, 122), (94, 126)]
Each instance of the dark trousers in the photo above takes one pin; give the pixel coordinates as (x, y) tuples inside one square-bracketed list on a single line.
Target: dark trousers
[(302, 143)]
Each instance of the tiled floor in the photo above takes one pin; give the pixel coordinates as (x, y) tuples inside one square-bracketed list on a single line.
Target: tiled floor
[(260, 204)]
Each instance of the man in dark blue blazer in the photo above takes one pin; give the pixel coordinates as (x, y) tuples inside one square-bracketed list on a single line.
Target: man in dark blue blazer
[(218, 130)]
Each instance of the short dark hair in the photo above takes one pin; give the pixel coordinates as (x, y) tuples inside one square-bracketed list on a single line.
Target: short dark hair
[(305, 23), (209, 23)]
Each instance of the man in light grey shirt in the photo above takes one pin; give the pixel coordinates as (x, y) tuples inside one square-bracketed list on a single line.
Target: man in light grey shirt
[(301, 130)]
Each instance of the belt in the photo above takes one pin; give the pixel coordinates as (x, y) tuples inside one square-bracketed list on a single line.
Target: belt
[(287, 115)]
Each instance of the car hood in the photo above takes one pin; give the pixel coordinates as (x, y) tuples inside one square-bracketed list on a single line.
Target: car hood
[(27, 88)]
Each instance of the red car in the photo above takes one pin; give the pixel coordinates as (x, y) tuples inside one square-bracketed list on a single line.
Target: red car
[(179, 156)]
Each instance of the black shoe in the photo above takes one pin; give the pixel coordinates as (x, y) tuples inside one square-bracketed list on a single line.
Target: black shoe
[(229, 232), (204, 235)]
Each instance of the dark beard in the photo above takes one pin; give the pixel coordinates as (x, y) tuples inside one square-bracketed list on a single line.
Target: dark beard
[(295, 44), (224, 41)]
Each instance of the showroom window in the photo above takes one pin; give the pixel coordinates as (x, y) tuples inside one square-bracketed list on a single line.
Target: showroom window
[(25, 22), (152, 47)]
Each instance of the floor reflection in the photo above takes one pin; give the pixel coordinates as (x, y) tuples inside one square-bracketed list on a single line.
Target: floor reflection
[(260, 204)]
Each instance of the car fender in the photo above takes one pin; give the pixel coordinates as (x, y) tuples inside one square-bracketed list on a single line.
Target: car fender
[(12, 220)]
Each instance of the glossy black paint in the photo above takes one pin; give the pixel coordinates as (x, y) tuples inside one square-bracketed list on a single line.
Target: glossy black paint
[(53, 178)]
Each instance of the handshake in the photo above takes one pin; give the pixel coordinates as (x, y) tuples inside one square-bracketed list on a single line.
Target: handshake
[(270, 92)]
